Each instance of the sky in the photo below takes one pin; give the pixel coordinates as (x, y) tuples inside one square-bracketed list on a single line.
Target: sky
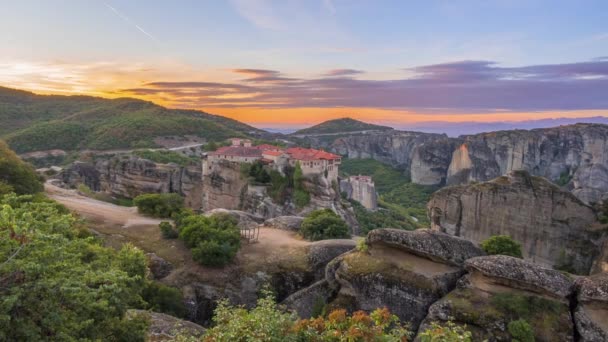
[(290, 63)]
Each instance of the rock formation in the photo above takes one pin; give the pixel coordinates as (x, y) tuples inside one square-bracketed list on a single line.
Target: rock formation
[(500, 289), (591, 312), (361, 189), (405, 271), (574, 152), (164, 327), (553, 226), (129, 176)]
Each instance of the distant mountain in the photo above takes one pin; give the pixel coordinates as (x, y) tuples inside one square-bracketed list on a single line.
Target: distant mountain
[(454, 129), (33, 122), (341, 126)]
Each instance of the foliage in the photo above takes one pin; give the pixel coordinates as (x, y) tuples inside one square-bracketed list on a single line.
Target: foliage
[(521, 331), (450, 332), (564, 178), (165, 299), (324, 224), (362, 246), (341, 125), (279, 186), (165, 157), (214, 240), (258, 173), (268, 322), (17, 174), (56, 283), (502, 244), (301, 197), (520, 306), (36, 122), (159, 205), (167, 231), (399, 199)]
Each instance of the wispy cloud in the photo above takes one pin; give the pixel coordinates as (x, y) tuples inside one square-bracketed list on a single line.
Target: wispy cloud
[(343, 72), (129, 21), (260, 13)]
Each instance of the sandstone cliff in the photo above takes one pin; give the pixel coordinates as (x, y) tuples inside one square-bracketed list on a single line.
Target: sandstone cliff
[(129, 176), (577, 154), (554, 227)]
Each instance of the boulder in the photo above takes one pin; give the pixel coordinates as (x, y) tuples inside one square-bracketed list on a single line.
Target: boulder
[(554, 227), (322, 252), (405, 271), (501, 289), (245, 220), (292, 223), (159, 267), (426, 243), (165, 327), (591, 312), (311, 300)]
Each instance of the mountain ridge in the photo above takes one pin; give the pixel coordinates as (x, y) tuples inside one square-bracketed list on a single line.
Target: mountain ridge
[(341, 125)]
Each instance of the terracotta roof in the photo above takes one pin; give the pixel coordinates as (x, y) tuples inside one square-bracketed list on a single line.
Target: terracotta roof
[(307, 154), (266, 147), (273, 153), (238, 151)]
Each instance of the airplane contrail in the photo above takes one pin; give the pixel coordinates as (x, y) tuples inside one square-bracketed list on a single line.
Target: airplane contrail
[(126, 19)]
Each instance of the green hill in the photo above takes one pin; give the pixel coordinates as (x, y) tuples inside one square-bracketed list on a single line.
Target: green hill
[(33, 122), (341, 126), (16, 175)]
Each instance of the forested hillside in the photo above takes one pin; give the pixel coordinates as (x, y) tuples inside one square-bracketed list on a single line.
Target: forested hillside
[(33, 122), (341, 125), (16, 175)]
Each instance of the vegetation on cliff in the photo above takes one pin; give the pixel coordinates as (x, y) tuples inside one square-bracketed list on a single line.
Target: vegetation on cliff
[(166, 157), (503, 245), (37, 122), (16, 175), (341, 125), (324, 224), (402, 203)]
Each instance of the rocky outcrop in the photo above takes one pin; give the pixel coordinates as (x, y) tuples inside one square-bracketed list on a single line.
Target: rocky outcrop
[(244, 220), (223, 185), (591, 312), (553, 226), (164, 327), (127, 176), (400, 271), (308, 300), (500, 289), (159, 267), (322, 252), (292, 223), (578, 152)]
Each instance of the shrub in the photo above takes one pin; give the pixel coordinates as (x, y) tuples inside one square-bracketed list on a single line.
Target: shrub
[(159, 205), (17, 174), (165, 157), (269, 322), (362, 246), (502, 244), (166, 229), (450, 332), (165, 299), (521, 331), (301, 197), (214, 240), (324, 224)]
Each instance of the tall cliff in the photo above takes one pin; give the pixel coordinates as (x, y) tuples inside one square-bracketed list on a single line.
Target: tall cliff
[(130, 176), (554, 227), (576, 155)]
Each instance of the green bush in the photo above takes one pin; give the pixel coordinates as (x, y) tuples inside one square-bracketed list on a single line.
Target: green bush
[(165, 299), (20, 176), (301, 197), (502, 244), (521, 331), (166, 157), (159, 205), (324, 224), (214, 240), (166, 229)]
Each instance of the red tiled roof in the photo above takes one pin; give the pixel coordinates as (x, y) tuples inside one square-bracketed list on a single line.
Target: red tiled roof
[(272, 153), (307, 154), (238, 151), (266, 147)]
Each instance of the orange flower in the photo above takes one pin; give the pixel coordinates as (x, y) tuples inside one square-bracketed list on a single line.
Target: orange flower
[(337, 316)]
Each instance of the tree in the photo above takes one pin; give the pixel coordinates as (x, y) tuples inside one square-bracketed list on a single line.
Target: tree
[(214, 240), (324, 224), (59, 284), (502, 244), (167, 231), (301, 197), (521, 331), (159, 205), (20, 176), (450, 332)]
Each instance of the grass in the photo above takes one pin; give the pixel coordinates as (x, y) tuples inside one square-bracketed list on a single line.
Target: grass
[(399, 198), (166, 157)]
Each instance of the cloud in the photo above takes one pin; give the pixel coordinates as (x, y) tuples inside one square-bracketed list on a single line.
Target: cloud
[(256, 72), (260, 13), (129, 21), (342, 72)]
